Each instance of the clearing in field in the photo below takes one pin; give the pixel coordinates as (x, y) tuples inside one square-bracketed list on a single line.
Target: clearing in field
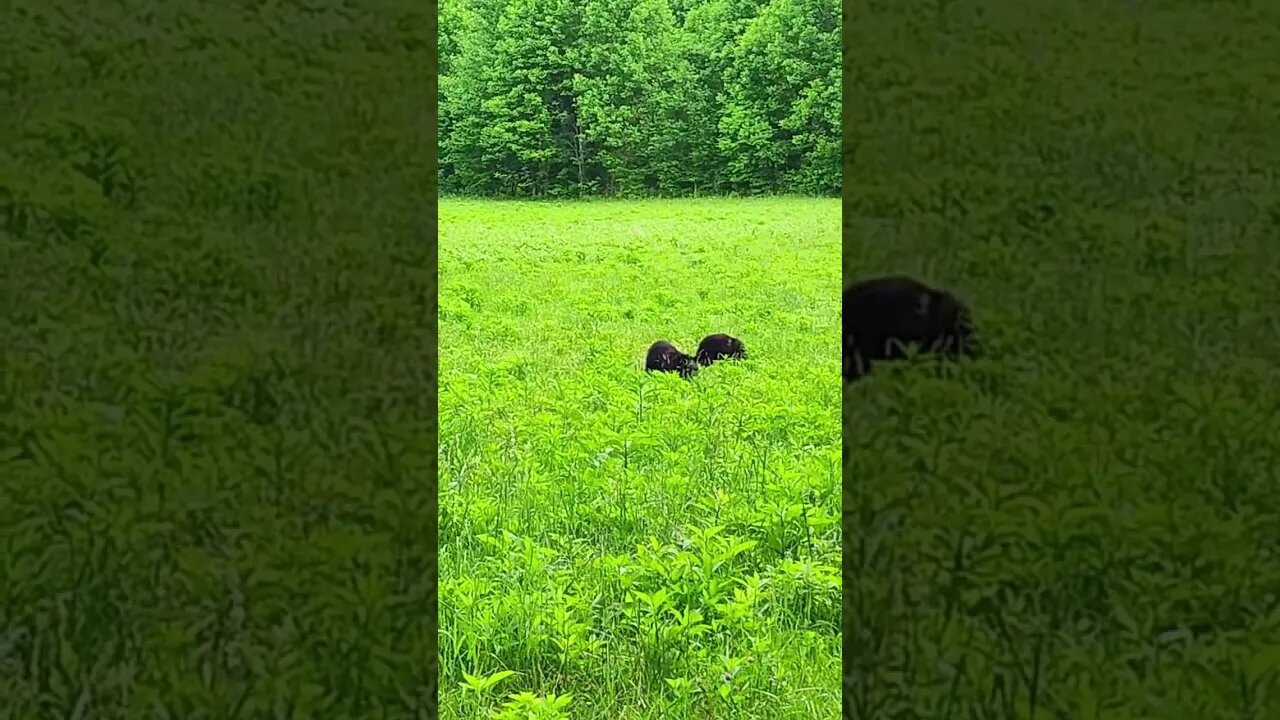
[(649, 546)]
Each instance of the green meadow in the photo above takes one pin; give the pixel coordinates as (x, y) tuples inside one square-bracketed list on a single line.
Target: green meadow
[(1086, 523), (615, 544), (217, 302)]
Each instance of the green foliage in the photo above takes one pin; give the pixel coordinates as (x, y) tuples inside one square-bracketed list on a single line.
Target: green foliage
[(781, 120), (1083, 524), (639, 97), (216, 377), (650, 546)]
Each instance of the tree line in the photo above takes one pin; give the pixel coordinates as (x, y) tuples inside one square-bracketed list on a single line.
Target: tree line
[(571, 98)]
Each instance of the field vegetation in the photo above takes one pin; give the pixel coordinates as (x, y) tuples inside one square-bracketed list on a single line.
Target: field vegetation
[(1087, 523), (217, 376), (616, 544), (638, 545)]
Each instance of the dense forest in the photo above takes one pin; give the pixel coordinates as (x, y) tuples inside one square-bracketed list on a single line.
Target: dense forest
[(572, 98)]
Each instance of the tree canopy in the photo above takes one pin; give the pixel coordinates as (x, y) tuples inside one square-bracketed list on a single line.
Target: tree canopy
[(572, 98)]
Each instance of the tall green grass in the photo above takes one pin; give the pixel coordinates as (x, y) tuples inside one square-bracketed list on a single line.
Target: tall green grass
[(644, 546), (1085, 524), (217, 299)]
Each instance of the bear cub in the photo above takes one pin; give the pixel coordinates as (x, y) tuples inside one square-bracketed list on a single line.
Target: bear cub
[(718, 347), (665, 357), (882, 316)]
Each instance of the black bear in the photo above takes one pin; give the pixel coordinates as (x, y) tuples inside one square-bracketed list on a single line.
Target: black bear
[(718, 347), (882, 316), (665, 357)]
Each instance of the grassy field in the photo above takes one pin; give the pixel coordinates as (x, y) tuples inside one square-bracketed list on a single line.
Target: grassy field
[(646, 546), (217, 299), (1088, 524)]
